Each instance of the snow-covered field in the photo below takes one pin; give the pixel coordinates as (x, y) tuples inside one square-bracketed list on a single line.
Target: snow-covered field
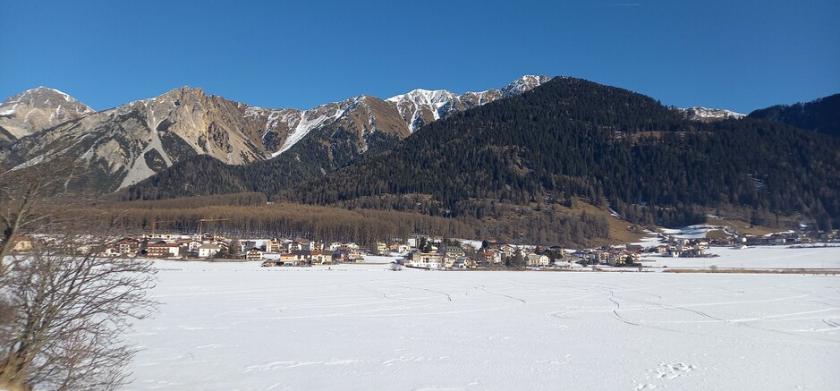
[(762, 257), (235, 326)]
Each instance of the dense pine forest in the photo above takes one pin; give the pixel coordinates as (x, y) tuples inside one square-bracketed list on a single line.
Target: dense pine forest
[(568, 139), (821, 115)]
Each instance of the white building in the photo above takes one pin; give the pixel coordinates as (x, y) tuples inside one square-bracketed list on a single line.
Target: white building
[(208, 250), (426, 260)]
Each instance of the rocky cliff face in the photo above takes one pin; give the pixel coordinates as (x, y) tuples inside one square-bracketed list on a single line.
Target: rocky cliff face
[(122, 146), (37, 109), (132, 142)]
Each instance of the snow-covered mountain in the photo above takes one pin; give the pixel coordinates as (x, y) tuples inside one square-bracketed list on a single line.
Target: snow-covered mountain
[(37, 109), (420, 107), (129, 143), (705, 114)]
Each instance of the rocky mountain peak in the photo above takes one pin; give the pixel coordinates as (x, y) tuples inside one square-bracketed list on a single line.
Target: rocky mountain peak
[(524, 84), (45, 97), (37, 109), (705, 114)]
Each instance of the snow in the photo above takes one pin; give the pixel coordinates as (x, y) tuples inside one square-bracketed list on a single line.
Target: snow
[(226, 326), (419, 100), (690, 232), (305, 125), (524, 84), (703, 113), (416, 101), (759, 257)]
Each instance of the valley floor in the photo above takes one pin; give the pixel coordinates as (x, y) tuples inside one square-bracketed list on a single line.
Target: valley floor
[(760, 257), (225, 326)]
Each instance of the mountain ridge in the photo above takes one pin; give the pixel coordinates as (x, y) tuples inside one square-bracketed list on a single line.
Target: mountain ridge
[(131, 142)]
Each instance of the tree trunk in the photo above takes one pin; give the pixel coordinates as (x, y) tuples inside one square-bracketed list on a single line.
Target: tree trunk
[(11, 378)]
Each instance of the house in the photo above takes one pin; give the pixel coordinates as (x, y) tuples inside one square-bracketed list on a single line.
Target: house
[(622, 258), (457, 262), (454, 251), (209, 250), (319, 258), (661, 249), (431, 260), (465, 263), (347, 255), (461, 262), (399, 248), (247, 245), (507, 250), (162, 249), (288, 259), (272, 246), (302, 257), (254, 254), (315, 245), (380, 248), (298, 245), (128, 247), (490, 257), (536, 260), (192, 246)]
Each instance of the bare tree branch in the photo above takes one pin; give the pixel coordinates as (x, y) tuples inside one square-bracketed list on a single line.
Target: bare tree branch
[(63, 310)]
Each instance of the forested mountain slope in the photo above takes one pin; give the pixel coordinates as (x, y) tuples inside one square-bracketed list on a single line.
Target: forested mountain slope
[(821, 115), (572, 137)]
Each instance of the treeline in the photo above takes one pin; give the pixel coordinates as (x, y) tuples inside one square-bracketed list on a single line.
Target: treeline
[(249, 215)]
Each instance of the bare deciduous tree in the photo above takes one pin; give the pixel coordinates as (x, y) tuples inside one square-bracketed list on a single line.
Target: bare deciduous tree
[(63, 309)]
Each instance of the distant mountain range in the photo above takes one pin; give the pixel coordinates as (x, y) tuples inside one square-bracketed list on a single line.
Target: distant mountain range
[(124, 145), (538, 139)]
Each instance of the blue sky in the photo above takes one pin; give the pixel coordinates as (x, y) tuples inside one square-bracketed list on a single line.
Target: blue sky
[(734, 54)]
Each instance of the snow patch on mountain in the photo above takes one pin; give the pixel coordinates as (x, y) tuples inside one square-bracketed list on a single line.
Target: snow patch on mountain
[(524, 84), (308, 120), (705, 114), (420, 107)]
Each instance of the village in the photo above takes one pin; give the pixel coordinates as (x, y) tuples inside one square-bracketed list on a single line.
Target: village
[(438, 253)]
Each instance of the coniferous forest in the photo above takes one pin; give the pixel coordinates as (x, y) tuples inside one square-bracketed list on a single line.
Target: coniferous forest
[(821, 115)]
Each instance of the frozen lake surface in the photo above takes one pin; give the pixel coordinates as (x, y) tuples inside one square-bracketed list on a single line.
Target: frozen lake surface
[(236, 326)]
